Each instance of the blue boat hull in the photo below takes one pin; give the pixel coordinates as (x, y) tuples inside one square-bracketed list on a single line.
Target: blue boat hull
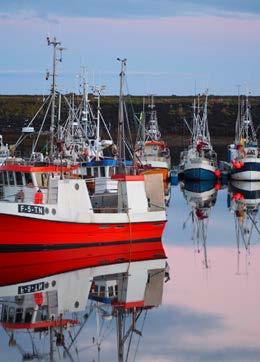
[(199, 174), (249, 171)]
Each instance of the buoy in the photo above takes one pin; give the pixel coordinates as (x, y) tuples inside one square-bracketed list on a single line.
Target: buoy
[(217, 186), (217, 173)]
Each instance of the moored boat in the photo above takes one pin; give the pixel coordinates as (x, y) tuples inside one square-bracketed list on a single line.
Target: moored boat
[(244, 154), (61, 226), (152, 154), (199, 161)]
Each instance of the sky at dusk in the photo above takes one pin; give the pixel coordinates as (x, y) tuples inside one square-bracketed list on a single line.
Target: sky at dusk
[(172, 46)]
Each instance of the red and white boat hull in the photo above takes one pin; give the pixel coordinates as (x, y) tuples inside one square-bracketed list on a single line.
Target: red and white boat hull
[(32, 248)]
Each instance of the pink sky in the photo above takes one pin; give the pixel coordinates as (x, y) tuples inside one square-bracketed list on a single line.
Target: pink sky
[(218, 291)]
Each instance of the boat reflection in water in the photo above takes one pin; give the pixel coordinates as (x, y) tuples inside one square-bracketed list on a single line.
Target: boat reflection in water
[(243, 202), (54, 310), (201, 197)]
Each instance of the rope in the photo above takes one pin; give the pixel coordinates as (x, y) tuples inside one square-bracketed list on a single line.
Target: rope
[(130, 239)]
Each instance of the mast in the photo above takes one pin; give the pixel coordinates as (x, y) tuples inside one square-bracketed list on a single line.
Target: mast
[(56, 47), (121, 127), (238, 121), (98, 147), (120, 335), (153, 131), (205, 119)]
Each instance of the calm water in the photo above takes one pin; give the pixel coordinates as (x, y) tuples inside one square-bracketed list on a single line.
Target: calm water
[(210, 309)]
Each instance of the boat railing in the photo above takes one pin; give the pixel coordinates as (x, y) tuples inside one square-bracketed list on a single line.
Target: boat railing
[(153, 158)]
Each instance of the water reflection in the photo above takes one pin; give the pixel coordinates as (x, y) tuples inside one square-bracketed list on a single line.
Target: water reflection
[(210, 316), (201, 197), (53, 317), (243, 202)]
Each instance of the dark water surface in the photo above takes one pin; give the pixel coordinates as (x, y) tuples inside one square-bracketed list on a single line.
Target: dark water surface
[(211, 303)]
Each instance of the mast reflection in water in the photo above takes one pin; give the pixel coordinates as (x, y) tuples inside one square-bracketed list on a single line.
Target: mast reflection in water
[(243, 202), (44, 319), (201, 197)]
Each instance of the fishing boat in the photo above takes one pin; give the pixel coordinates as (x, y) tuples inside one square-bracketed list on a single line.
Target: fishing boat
[(152, 153), (244, 154), (199, 161), (43, 307), (61, 226), (4, 151), (201, 197)]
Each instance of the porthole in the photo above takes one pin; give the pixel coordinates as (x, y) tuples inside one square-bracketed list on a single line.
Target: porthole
[(46, 210), (53, 211), (53, 283), (77, 186), (76, 305)]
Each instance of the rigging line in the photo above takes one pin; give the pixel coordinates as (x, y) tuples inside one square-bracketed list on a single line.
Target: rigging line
[(81, 327), (40, 130), (129, 345), (131, 239), (129, 96), (104, 123), (128, 127), (71, 109), (34, 349), (68, 353), (250, 232), (139, 338), (242, 234), (110, 327), (29, 124), (255, 223)]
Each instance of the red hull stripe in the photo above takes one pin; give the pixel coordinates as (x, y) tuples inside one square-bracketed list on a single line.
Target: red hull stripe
[(24, 248), (41, 324)]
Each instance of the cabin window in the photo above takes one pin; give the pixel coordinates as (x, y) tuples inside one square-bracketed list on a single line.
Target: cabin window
[(42, 179), (4, 313), (1, 178), (6, 178), (89, 173), (116, 289), (19, 178), (44, 314), (102, 171), (95, 171), (28, 179), (111, 171), (102, 291), (11, 315), (111, 291), (28, 315), (19, 315), (11, 178)]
